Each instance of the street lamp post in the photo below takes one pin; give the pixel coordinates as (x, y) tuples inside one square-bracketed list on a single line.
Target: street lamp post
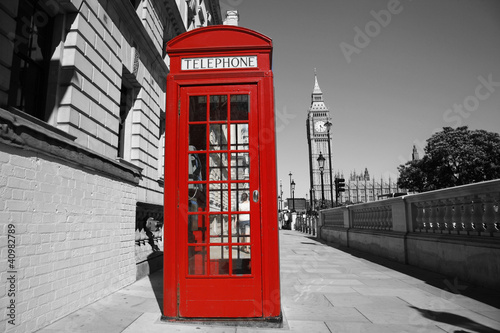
[(328, 125), (290, 174), (293, 195), (281, 196), (321, 163)]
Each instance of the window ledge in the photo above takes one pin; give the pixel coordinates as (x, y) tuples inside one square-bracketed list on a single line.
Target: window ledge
[(24, 131)]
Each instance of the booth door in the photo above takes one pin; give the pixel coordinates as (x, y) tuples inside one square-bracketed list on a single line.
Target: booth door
[(219, 225)]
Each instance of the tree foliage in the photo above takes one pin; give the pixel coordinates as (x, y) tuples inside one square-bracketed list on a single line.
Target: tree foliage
[(453, 157)]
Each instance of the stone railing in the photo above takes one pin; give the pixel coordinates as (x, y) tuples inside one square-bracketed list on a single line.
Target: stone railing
[(377, 216), (454, 231), (334, 218), (470, 210), (465, 210), (307, 224)]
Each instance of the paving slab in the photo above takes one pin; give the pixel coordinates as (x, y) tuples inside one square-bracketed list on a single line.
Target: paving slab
[(324, 288)]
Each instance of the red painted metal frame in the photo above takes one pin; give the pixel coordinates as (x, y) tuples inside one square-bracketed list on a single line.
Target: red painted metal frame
[(212, 42)]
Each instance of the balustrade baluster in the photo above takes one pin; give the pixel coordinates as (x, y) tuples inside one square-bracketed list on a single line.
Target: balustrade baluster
[(448, 215), (381, 218), (441, 211), (367, 218), (419, 224), (489, 214), (467, 215), (433, 216), (457, 215), (372, 218), (477, 214), (389, 220), (427, 216)]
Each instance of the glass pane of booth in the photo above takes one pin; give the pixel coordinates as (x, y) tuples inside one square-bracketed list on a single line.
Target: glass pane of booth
[(218, 197), (240, 166), (197, 108), (219, 228), (239, 107), (239, 136), (219, 260), (218, 107), (197, 198), (196, 228), (197, 167), (218, 136), (237, 191), (198, 137), (218, 166), (197, 257), (241, 261)]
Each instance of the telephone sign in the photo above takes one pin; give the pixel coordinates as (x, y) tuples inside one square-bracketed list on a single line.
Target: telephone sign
[(221, 252), (218, 62)]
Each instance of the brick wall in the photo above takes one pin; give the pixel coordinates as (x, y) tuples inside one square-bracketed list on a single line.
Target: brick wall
[(74, 234)]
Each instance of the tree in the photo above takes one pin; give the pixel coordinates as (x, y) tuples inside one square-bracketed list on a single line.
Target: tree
[(453, 157)]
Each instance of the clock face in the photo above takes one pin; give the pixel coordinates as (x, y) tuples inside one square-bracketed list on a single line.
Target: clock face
[(319, 126)]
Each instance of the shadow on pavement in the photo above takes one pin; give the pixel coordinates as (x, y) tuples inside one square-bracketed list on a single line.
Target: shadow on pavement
[(156, 276), (455, 320)]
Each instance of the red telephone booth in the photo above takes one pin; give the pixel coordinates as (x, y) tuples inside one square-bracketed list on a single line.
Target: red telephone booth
[(221, 230)]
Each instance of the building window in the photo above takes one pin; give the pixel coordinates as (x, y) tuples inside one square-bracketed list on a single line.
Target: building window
[(125, 122), (161, 147), (31, 59)]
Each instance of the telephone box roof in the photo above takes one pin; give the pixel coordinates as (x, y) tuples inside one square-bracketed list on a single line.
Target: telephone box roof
[(216, 37)]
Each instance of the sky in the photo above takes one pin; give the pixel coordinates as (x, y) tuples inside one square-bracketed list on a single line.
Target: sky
[(392, 73)]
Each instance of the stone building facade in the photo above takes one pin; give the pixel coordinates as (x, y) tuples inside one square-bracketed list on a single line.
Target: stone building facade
[(82, 110), (361, 188)]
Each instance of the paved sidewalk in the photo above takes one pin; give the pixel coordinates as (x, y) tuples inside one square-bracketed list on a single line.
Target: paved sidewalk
[(324, 289)]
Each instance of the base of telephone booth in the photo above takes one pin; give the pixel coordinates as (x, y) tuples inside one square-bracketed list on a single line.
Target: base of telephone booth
[(271, 322)]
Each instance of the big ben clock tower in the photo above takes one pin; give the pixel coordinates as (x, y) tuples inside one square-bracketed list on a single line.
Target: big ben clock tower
[(318, 117)]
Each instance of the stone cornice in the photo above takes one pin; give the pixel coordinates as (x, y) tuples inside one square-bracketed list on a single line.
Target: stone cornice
[(23, 131)]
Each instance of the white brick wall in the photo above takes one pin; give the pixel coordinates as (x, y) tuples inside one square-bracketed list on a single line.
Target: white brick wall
[(74, 237)]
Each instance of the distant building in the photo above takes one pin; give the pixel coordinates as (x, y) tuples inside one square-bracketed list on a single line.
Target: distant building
[(82, 113), (361, 188), (414, 154)]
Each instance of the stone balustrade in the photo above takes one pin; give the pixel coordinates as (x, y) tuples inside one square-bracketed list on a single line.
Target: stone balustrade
[(307, 224), (465, 210), (454, 231), (335, 217), (376, 216)]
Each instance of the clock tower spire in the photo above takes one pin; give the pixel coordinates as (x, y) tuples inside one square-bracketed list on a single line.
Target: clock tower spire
[(317, 94), (318, 135)]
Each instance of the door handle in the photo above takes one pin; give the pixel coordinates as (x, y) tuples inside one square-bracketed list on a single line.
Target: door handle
[(256, 196)]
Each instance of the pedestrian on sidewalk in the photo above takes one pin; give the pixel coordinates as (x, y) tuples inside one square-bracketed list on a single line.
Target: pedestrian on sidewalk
[(244, 221)]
